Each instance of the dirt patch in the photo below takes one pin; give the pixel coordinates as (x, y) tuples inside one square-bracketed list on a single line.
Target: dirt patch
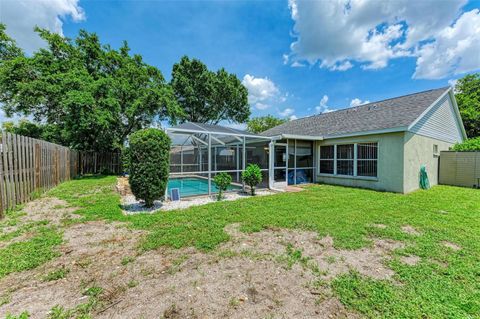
[(92, 254), (451, 245), (123, 187), (48, 208), (411, 260), (407, 229), (331, 261), (381, 226), (272, 273)]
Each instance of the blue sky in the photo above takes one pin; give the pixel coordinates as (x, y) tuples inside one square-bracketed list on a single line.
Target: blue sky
[(343, 53)]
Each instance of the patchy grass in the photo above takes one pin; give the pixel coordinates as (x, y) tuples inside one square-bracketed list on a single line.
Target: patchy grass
[(127, 259), (84, 310), (31, 253), (443, 284), (56, 274), (23, 315)]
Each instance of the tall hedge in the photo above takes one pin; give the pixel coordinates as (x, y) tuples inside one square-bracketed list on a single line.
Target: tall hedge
[(472, 144), (149, 164)]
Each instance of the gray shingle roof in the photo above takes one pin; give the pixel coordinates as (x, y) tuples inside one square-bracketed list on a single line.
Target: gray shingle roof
[(387, 114)]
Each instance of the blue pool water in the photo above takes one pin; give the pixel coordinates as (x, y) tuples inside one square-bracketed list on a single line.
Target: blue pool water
[(193, 186)]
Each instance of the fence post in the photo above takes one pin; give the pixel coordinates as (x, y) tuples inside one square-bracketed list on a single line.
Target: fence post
[(2, 197), (55, 159), (37, 166)]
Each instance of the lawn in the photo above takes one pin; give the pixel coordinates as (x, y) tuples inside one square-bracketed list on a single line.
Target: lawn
[(445, 282)]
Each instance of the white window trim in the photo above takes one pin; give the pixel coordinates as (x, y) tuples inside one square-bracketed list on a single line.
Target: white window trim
[(355, 162)]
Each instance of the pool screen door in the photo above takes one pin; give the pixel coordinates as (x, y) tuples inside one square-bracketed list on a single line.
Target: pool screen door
[(280, 159)]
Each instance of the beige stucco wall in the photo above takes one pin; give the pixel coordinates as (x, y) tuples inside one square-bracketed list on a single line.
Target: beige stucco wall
[(390, 163), (418, 151)]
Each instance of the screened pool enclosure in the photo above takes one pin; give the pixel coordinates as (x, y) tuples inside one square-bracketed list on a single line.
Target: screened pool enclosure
[(200, 151)]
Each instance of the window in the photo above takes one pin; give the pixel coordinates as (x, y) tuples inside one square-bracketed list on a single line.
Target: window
[(345, 159), (435, 150), (327, 159), (350, 160), (367, 156)]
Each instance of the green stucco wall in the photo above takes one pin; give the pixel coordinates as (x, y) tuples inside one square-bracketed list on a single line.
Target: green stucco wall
[(390, 163), (418, 151)]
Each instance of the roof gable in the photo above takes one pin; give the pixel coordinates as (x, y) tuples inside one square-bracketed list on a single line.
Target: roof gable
[(440, 122)]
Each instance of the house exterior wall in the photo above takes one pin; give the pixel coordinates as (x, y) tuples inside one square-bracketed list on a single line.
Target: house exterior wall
[(418, 150), (389, 166)]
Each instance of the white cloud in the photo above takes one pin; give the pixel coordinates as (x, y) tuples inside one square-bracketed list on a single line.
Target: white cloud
[(297, 64), (452, 82), (21, 16), (357, 102), (293, 117), (322, 106), (260, 90), (261, 106), (455, 50), (286, 112), (371, 33)]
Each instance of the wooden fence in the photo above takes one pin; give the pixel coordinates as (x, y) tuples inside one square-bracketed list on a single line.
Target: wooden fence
[(29, 166), (100, 163)]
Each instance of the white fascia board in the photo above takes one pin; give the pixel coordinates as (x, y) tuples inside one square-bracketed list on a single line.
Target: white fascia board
[(457, 112), (302, 137)]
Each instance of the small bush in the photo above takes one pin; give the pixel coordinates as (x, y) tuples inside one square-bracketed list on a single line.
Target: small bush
[(252, 176), (149, 164), (472, 144), (222, 181)]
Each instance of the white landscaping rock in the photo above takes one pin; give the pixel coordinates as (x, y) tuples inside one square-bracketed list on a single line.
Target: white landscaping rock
[(132, 206)]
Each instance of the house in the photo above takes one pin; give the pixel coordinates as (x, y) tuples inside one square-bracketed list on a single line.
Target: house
[(380, 145)]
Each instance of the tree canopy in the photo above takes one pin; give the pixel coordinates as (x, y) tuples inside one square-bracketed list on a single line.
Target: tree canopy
[(206, 96), (467, 93), (262, 123), (472, 144), (90, 95)]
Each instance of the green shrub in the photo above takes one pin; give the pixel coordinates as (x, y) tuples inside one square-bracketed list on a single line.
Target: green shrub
[(149, 164), (252, 176), (222, 181), (472, 144)]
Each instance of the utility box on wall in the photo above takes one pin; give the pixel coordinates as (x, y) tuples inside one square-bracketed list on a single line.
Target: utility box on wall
[(460, 169)]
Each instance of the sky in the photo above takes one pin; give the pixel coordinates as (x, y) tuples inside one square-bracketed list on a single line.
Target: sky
[(296, 58)]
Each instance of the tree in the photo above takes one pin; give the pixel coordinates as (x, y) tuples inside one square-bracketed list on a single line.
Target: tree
[(206, 96), (8, 47), (252, 176), (222, 181), (262, 123), (149, 162), (467, 93), (24, 127), (90, 95)]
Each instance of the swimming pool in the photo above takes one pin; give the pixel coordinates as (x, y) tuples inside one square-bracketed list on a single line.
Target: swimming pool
[(193, 186)]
